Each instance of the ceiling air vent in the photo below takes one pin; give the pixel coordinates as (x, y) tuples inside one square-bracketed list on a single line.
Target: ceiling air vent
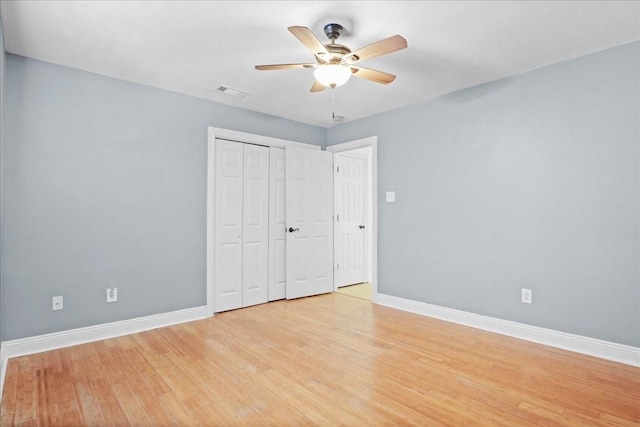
[(237, 93)]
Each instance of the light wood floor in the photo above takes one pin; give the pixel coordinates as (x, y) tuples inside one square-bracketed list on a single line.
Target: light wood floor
[(361, 290), (328, 360)]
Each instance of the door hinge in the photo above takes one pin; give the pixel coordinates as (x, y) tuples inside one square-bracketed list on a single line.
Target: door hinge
[(338, 169), (338, 266), (337, 217)]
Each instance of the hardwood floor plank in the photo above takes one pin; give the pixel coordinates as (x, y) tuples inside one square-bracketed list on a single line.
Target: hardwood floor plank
[(26, 393), (90, 406), (326, 360), (7, 410)]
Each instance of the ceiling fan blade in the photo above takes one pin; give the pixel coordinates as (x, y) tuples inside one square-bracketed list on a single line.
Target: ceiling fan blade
[(309, 39), (317, 87), (284, 66), (373, 75), (378, 48)]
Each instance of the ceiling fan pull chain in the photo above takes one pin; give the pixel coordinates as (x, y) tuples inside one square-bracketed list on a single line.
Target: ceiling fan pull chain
[(333, 103), (336, 119)]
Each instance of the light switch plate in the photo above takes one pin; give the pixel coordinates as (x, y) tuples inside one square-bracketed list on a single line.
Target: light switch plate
[(391, 196)]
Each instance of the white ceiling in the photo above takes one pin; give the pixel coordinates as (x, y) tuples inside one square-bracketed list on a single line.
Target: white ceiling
[(193, 47)]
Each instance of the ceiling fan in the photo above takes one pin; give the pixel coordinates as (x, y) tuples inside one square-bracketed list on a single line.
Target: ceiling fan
[(335, 63)]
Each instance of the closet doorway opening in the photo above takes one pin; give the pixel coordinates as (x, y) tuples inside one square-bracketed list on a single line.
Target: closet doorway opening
[(355, 218)]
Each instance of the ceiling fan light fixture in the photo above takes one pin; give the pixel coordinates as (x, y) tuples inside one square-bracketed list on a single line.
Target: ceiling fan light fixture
[(332, 75)]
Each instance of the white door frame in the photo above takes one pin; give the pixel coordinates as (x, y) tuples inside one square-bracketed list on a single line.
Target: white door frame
[(372, 142), (231, 135)]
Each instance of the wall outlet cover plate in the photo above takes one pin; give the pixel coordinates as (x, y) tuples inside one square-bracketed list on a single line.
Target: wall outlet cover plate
[(112, 294)]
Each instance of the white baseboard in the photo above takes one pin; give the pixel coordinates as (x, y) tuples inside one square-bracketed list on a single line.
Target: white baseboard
[(590, 346), (40, 343)]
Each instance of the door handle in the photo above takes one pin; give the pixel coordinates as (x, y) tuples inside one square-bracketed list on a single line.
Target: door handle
[(361, 227), (291, 229)]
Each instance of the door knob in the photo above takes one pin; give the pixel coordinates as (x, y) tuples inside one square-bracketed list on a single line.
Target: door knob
[(291, 229), (361, 227)]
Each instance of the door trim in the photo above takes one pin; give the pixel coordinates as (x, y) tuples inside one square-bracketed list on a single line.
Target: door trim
[(372, 142), (247, 138)]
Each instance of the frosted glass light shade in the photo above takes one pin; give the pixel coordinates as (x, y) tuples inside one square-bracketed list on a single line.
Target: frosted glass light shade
[(332, 75)]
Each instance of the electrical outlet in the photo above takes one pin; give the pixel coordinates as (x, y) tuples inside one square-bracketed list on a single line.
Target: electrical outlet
[(57, 303), (527, 296), (112, 294)]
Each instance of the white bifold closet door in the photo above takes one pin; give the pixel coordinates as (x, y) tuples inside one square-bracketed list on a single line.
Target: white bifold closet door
[(241, 241)]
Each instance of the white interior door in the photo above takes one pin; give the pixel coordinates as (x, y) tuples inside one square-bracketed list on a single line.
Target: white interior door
[(349, 223), (309, 212), (255, 232), (277, 225), (228, 225)]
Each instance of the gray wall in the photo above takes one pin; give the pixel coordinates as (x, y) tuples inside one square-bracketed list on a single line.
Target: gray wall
[(527, 182), (532, 181), (104, 182), (2, 74)]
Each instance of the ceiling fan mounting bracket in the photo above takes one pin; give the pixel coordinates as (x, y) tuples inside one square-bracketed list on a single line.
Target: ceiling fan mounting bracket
[(333, 31)]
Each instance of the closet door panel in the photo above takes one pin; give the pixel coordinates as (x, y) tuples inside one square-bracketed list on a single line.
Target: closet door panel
[(277, 225), (255, 240), (309, 211), (228, 225)]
